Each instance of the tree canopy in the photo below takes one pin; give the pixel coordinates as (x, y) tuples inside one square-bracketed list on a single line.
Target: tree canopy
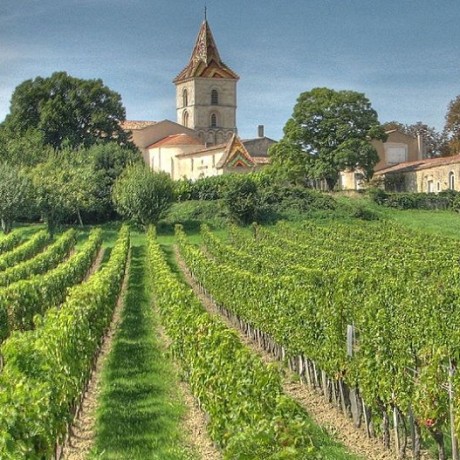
[(68, 111), (329, 131), (141, 195), (452, 126), (435, 143)]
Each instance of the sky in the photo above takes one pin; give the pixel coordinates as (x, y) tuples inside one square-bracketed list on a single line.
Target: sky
[(404, 55)]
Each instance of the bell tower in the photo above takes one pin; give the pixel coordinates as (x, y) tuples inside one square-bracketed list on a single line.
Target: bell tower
[(206, 92)]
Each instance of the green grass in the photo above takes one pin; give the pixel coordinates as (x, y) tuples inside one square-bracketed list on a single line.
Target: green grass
[(140, 411)]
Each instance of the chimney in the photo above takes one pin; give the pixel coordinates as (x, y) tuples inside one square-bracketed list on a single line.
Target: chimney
[(420, 146), (260, 131)]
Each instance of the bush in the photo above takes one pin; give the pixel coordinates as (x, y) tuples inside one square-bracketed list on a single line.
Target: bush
[(143, 196)]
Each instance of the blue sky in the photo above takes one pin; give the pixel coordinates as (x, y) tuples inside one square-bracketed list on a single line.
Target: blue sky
[(404, 55)]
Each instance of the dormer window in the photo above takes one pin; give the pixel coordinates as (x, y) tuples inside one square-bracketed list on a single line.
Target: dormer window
[(213, 120), (214, 97)]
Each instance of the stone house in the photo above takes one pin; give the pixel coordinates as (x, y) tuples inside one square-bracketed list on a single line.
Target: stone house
[(431, 175)]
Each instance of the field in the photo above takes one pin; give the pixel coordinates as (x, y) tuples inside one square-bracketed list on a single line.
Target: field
[(257, 327)]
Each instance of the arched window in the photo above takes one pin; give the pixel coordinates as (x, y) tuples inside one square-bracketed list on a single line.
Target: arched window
[(185, 118), (452, 180), (214, 97), (184, 98), (213, 120)]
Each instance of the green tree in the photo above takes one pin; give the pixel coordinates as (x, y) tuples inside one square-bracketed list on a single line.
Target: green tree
[(242, 199), (15, 195), (452, 126), (108, 161), (142, 195), (68, 111), (434, 143), (65, 186), (330, 131)]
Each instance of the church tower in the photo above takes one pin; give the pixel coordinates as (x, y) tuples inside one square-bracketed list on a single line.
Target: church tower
[(206, 92)]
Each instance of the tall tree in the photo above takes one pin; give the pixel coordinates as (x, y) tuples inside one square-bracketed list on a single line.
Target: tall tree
[(452, 126), (15, 195), (330, 131), (70, 112)]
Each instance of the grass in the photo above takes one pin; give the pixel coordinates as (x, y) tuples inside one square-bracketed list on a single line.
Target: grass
[(140, 410)]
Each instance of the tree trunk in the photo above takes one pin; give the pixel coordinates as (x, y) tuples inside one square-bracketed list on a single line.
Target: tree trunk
[(439, 440), (80, 221)]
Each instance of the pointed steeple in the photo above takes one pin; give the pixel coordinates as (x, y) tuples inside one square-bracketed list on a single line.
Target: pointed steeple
[(205, 60)]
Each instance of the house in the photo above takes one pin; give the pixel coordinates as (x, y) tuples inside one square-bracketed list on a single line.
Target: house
[(398, 148), (431, 175), (203, 141)]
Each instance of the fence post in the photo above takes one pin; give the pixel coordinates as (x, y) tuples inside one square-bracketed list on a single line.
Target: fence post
[(451, 410)]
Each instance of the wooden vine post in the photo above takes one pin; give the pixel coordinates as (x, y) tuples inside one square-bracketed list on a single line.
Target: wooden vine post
[(451, 411)]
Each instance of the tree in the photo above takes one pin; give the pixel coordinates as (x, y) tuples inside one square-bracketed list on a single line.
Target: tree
[(242, 199), (330, 131), (108, 161), (142, 195), (15, 195), (452, 126), (65, 186), (434, 143), (68, 111)]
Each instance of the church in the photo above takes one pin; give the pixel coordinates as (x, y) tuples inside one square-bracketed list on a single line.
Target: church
[(204, 139)]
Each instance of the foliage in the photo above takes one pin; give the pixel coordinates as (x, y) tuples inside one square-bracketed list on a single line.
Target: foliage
[(329, 131), (70, 112), (15, 195), (42, 262), (9, 242), (24, 251), (434, 143), (22, 300), (452, 126), (242, 199), (143, 196), (46, 369), (448, 199), (254, 420), (64, 185), (108, 161)]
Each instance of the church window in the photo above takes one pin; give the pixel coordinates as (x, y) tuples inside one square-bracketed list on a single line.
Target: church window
[(185, 119), (213, 120), (184, 98), (214, 97), (452, 180)]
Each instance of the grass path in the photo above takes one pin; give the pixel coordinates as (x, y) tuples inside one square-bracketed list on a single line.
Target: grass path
[(140, 409)]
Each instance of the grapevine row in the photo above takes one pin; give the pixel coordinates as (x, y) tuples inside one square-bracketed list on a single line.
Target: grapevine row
[(46, 369), (249, 415), (406, 336), (28, 249), (21, 301), (10, 241), (46, 260)]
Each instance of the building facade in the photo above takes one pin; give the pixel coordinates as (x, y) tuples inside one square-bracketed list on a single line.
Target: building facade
[(204, 141)]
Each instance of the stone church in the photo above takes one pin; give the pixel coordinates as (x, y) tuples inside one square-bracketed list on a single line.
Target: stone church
[(204, 140)]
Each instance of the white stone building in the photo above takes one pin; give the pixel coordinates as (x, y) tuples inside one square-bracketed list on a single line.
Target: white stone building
[(204, 141)]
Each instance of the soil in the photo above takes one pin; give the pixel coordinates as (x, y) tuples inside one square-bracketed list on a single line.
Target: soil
[(341, 428)]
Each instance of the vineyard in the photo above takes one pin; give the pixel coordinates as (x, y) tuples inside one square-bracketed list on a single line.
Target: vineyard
[(365, 314)]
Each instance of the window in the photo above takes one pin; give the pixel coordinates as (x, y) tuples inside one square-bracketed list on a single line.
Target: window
[(430, 186), (184, 98), (185, 118), (213, 120), (452, 180), (214, 97), (191, 163)]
